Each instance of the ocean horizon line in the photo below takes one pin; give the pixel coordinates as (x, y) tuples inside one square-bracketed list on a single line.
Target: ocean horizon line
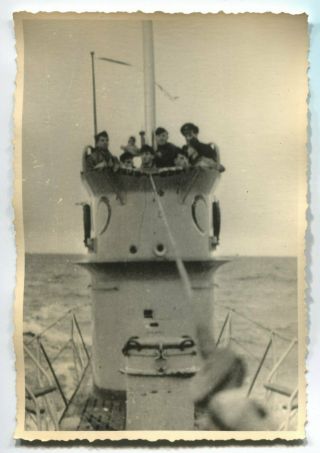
[(235, 256)]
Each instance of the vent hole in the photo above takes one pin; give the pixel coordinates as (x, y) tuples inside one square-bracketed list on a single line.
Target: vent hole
[(154, 324), (160, 248), (133, 249), (148, 313)]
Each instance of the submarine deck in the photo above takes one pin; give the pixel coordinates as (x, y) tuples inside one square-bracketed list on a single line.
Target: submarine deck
[(90, 411)]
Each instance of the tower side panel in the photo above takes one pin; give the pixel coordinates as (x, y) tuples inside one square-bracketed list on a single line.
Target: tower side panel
[(148, 302)]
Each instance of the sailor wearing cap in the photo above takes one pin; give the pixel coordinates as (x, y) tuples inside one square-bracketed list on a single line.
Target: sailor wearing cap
[(100, 156), (166, 151), (200, 154)]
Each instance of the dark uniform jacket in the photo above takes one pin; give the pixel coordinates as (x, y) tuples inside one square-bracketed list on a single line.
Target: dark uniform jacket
[(203, 150), (97, 156), (166, 155)]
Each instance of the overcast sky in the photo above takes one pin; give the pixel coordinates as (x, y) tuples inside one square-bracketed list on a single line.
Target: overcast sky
[(241, 78)]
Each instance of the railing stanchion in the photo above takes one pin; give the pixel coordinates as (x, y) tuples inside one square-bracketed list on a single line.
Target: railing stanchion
[(263, 358), (230, 329), (223, 329), (280, 361), (81, 337), (56, 380), (274, 354)]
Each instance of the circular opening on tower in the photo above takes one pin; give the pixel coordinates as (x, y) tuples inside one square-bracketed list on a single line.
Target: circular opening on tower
[(160, 250), (199, 213), (133, 249)]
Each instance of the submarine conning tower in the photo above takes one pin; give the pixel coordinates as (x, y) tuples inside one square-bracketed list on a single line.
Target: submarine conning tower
[(144, 327)]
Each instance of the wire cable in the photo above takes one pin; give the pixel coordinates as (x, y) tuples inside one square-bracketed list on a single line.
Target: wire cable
[(180, 265)]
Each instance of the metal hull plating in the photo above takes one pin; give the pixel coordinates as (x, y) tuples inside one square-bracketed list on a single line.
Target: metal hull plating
[(144, 299)]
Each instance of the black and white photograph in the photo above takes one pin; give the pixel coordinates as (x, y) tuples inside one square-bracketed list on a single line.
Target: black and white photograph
[(160, 203)]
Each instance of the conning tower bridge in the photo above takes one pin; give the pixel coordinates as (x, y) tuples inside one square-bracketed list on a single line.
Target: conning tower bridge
[(123, 221)]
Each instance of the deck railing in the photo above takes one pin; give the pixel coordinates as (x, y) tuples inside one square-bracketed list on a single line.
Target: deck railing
[(268, 353), (46, 398)]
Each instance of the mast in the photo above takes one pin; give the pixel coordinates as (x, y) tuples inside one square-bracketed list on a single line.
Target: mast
[(95, 127), (149, 81)]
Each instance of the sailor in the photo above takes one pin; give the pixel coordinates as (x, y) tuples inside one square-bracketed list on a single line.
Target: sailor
[(131, 147), (126, 160), (200, 154), (100, 156), (166, 151), (182, 160), (147, 157)]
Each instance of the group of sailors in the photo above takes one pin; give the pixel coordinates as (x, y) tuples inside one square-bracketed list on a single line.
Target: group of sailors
[(163, 155)]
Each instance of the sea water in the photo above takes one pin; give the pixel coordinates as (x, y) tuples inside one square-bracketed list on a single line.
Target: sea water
[(262, 289)]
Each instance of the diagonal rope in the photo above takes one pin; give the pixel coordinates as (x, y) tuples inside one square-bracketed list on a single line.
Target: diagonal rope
[(180, 265), (205, 340)]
